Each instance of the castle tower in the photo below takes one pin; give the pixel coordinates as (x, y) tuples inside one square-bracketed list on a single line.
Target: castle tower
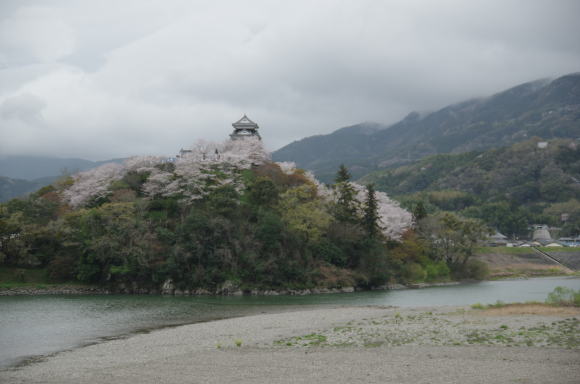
[(244, 128)]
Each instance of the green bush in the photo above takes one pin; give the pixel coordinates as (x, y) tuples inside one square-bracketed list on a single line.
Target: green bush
[(476, 269), (437, 271), (414, 272), (564, 296)]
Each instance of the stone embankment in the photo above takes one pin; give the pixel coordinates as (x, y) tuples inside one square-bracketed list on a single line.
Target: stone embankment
[(226, 289), (230, 288), (57, 290)]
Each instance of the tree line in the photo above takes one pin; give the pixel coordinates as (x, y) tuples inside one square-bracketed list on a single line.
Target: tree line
[(268, 226)]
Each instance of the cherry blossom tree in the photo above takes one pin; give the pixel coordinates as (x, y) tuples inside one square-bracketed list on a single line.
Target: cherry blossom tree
[(93, 183), (207, 166), (204, 167), (393, 219)]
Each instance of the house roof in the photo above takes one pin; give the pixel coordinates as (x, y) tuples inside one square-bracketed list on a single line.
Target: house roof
[(498, 236)]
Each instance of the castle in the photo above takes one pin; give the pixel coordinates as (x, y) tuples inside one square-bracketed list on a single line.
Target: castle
[(243, 128)]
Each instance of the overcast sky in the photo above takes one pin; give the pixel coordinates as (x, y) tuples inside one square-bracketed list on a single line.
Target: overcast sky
[(110, 78)]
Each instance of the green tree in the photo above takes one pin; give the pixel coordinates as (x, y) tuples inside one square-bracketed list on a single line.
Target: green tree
[(453, 238), (262, 192), (371, 217), (419, 211), (346, 208), (303, 213)]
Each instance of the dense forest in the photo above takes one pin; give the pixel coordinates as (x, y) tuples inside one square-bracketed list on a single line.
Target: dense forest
[(225, 215), (532, 182)]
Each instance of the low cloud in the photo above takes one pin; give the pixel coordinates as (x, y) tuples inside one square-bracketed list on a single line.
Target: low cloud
[(114, 79)]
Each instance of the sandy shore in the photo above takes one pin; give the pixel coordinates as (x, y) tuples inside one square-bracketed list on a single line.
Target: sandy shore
[(334, 345)]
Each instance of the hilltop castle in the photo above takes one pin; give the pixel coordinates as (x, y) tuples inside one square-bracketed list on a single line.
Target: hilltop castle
[(244, 128)]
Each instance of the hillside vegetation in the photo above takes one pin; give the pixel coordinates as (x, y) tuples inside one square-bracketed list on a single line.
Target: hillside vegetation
[(11, 188), (508, 188), (547, 109), (225, 219)]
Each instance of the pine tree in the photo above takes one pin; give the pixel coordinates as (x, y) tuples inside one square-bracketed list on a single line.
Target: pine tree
[(342, 176), (419, 212), (346, 203), (370, 219)]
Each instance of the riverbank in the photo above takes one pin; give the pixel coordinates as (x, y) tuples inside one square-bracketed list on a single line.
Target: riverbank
[(67, 289), (229, 288), (511, 262), (334, 345), (56, 289)]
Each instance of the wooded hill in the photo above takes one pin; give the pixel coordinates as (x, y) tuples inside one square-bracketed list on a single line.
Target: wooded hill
[(508, 188), (546, 109), (224, 219)]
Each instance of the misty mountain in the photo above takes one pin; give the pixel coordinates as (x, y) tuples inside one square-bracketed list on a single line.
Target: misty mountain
[(11, 188), (523, 172), (35, 167), (546, 109)]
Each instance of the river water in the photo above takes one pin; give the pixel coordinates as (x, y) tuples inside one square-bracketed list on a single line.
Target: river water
[(40, 325)]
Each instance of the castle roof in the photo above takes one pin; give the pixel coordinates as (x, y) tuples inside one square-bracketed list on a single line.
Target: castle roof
[(245, 122)]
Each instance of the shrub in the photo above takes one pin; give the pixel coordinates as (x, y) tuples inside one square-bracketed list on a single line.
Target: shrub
[(477, 269), (62, 268), (414, 272), (564, 296), (437, 271)]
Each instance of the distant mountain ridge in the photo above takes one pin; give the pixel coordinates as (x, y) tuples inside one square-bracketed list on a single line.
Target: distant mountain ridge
[(11, 188), (543, 108), (35, 167), (21, 175)]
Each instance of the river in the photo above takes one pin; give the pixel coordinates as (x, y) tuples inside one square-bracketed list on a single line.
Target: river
[(40, 325)]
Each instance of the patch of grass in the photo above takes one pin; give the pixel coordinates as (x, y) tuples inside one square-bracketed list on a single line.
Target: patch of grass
[(498, 304), (398, 318), (312, 339), (504, 250), (560, 249), (238, 342), (315, 338)]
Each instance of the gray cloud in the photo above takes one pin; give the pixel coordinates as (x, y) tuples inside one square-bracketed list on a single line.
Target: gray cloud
[(25, 107), (133, 77)]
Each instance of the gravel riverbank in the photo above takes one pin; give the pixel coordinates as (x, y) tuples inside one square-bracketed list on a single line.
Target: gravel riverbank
[(334, 345)]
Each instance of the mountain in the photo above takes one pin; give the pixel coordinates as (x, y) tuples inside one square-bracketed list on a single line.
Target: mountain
[(323, 153), (547, 109), (524, 172), (35, 167), (11, 188), (509, 188)]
